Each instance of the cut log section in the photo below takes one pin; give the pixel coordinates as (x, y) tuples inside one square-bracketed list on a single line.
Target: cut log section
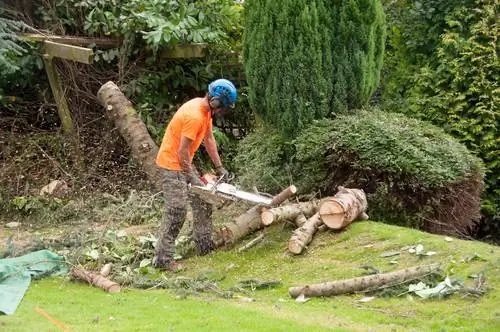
[(284, 195), (342, 209), (288, 212), (95, 279), (133, 130), (246, 223), (363, 283), (303, 235)]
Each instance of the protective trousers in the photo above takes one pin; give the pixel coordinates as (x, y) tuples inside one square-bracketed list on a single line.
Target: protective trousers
[(177, 195)]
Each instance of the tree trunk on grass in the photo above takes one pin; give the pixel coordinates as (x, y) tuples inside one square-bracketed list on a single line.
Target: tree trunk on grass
[(132, 129), (346, 206), (288, 212), (248, 222), (362, 283), (95, 279), (303, 235)]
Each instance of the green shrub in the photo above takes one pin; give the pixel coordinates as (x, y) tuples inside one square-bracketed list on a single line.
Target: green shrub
[(261, 161), (413, 173), (460, 91)]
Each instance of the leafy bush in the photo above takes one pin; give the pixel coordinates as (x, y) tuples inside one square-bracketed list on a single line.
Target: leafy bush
[(414, 31), (459, 92), (414, 174)]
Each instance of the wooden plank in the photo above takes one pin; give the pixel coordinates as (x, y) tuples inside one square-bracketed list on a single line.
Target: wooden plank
[(74, 40), (57, 91), (69, 52), (185, 51), (176, 52)]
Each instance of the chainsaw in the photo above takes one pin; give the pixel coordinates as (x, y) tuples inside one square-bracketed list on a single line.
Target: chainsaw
[(218, 190)]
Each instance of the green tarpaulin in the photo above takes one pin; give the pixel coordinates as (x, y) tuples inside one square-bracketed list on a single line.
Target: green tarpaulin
[(16, 274)]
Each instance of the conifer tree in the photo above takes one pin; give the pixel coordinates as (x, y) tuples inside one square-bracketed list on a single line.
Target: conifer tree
[(358, 38), (286, 60), (306, 59)]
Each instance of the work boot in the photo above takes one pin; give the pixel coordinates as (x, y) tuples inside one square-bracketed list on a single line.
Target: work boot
[(170, 266)]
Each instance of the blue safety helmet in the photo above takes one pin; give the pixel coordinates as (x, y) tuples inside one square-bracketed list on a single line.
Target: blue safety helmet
[(224, 91)]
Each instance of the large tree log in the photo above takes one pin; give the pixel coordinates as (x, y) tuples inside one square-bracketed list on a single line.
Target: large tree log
[(95, 279), (288, 212), (346, 206), (248, 222), (303, 235), (133, 130), (362, 283)]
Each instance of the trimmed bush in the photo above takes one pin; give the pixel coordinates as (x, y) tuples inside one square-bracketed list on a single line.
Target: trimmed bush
[(262, 161), (413, 173)]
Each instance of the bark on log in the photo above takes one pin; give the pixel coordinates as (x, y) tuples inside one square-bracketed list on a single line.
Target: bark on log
[(133, 130), (288, 212), (346, 206), (246, 223), (300, 220), (284, 195), (95, 279), (303, 235), (362, 283)]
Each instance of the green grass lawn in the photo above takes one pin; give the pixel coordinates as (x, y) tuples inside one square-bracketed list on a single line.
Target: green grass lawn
[(330, 256)]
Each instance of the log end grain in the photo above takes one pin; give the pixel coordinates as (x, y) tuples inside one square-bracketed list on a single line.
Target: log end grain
[(294, 247), (332, 214), (267, 217)]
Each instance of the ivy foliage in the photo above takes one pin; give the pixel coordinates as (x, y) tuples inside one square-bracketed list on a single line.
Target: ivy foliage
[(307, 59)]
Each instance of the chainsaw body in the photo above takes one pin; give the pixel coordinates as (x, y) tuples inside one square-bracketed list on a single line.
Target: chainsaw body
[(218, 192)]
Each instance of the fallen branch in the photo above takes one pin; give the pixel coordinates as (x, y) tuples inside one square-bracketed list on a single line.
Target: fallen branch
[(303, 235), (95, 279), (251, 243), (362, 283)]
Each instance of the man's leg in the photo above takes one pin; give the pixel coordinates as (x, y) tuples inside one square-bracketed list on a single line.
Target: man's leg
[(202, 224), (175, 191)]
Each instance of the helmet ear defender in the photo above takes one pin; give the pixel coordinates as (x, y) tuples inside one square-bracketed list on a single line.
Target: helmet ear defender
[(215, 102)]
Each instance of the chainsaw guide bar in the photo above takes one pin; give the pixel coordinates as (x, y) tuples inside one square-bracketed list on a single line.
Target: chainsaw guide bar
[(223, 192)]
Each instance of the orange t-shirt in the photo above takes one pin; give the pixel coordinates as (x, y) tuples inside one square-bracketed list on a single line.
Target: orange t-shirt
[(192, 120)]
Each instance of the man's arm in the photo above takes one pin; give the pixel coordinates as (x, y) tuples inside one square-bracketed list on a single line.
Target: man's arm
[(192, 176), (211, 147), (184, 147)]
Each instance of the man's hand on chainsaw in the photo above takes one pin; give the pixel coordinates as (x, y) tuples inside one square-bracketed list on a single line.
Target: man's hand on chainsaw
[(221, 171), (224, 174), (193, 179)]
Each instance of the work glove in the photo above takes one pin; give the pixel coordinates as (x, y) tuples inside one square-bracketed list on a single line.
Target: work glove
[(227, 176), (221, 171), (193, 179)]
